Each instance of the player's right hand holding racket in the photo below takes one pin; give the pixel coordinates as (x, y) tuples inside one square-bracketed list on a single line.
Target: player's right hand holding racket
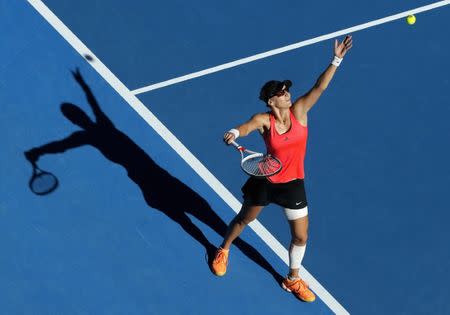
[(228, 137)]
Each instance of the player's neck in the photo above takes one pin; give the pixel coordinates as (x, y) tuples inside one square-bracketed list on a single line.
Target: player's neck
[(281, 115)]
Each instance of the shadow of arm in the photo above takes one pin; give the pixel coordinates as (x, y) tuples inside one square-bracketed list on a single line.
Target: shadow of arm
[(100, 116), (75, 140)]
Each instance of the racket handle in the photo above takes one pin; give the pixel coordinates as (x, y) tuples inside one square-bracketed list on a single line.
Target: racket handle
[(34, 165), (234, 143), (237, 146)]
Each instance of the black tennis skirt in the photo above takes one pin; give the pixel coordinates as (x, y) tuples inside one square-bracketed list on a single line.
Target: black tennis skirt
[(261, 192)]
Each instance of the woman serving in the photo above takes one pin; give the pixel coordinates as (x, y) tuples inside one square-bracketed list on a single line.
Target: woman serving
[(285, 133)]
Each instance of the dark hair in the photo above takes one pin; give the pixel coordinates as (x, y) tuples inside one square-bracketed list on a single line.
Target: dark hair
[(272, 87)]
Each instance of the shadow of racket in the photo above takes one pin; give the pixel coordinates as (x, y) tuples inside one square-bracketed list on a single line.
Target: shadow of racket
[(42, 182)]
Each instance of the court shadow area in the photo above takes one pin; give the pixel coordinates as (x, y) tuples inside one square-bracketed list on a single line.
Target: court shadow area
[(160, 190)]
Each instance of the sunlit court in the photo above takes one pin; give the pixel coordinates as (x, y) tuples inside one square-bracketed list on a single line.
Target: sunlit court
[(237, 157)]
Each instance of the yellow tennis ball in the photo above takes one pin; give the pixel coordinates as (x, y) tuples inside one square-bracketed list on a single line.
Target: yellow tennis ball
[(411, 19)]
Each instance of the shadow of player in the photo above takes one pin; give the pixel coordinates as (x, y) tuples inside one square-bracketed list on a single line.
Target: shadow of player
[(161, 190)]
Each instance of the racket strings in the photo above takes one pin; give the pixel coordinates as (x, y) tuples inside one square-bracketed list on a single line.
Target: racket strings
[(261, 165), (43, 183)]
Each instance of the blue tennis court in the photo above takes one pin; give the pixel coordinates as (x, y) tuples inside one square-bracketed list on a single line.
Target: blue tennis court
[(147, 187)]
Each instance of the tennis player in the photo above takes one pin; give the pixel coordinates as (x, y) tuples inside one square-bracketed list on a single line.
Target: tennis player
[(285, 132)]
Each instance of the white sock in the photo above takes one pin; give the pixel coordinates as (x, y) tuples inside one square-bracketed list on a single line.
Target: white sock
[(296, 254)]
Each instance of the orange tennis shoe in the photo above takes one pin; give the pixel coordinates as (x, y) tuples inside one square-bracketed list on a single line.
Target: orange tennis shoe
[(299, 288), (220, 262)]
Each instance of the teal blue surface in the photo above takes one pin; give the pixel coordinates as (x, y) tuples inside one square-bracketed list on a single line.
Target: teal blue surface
[(107, 242)]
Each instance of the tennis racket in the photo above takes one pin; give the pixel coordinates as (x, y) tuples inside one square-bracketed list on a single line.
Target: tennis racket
[(258, 164), (42, 182)]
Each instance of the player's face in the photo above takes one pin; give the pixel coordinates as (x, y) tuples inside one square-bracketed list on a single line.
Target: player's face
[(281, 99)]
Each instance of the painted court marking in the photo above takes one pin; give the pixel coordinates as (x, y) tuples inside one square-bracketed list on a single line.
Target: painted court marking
[(288, 48), (197, 166)]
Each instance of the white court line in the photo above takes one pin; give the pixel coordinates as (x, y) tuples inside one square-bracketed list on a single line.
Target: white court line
[(288, 48), (190, 159)]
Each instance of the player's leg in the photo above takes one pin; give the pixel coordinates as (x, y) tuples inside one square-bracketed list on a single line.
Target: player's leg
[(299, 235), (256, 193), (298, 223), (247, 214)]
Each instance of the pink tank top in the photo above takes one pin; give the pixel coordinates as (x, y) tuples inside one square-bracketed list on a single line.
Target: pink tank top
[(289, 148)]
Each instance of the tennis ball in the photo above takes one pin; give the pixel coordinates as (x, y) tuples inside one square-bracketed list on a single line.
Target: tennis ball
[(88, 57), (411, 19)]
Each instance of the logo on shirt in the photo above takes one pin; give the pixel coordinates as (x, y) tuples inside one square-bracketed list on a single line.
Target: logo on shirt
[(286, 138)]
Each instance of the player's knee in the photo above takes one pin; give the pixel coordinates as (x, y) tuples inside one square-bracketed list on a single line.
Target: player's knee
[(300, 239)]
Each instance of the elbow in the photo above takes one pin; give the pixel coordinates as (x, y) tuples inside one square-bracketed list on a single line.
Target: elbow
[(321, 87)]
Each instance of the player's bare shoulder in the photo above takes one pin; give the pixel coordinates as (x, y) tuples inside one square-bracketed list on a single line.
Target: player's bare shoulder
[(263, 121), (256, 122)]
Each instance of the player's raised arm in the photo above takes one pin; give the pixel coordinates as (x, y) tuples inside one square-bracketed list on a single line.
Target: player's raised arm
[(303, 104), (258, 121)]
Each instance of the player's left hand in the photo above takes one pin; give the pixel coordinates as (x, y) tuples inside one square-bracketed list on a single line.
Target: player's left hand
[(340, 49)]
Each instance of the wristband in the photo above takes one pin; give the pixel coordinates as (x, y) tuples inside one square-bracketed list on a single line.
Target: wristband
[(337, 61), (234, 132)]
